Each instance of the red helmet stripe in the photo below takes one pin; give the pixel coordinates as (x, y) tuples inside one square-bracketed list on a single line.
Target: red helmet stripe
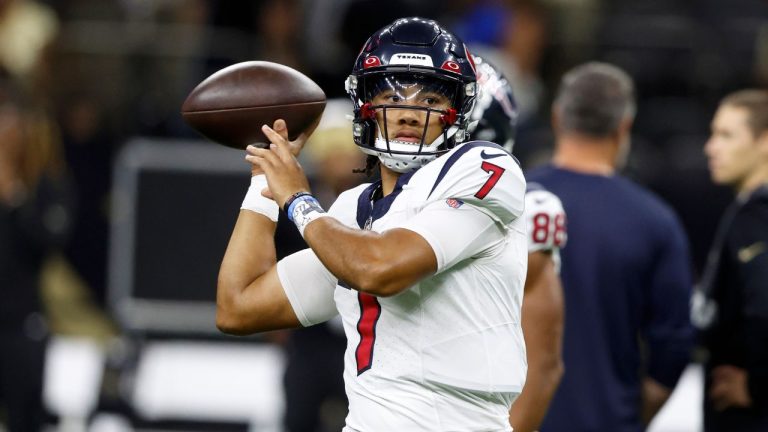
[(471, 60)]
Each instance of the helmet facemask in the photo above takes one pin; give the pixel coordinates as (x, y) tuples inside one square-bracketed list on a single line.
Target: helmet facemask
[(398, 115)]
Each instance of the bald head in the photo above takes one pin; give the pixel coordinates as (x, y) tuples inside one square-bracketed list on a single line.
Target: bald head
[(594, 99)]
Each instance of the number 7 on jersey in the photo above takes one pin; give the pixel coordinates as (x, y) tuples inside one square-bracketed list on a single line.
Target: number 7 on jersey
[(496, 172)]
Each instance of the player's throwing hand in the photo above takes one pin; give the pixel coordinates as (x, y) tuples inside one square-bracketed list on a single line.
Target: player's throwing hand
[(284, 173)]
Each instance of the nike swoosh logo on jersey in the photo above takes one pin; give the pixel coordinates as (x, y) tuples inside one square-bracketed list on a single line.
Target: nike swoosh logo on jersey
[(746, 254), (485, 155)]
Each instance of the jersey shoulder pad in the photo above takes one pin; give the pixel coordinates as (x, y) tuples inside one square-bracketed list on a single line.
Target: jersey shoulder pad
[(545, 220), (540, 200), (483, 175)]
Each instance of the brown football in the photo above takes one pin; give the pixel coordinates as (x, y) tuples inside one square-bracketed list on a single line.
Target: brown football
[(230, 106)]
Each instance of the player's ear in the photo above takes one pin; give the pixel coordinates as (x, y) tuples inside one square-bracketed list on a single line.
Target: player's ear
[(625, 127)]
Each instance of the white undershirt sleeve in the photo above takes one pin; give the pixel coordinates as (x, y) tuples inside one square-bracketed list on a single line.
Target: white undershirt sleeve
[(309, 287), (456, 234)]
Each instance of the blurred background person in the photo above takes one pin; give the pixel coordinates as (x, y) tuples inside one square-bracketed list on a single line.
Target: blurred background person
[(278, 31), (731, 304), (336, 29), (27, 31), (332, 154), (513, 35), (35, 217), (626, 270)]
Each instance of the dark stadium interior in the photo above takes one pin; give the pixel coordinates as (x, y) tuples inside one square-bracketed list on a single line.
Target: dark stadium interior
[(107, 72)]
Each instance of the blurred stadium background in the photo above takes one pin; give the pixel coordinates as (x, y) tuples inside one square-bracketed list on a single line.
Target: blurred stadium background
[(130, 298)]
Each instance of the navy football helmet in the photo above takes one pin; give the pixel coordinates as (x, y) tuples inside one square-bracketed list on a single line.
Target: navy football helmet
[(495, 115), (411, 55)]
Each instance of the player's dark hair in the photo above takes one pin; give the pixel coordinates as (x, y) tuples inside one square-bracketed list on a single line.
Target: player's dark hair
[(756, 103), (594, 99), (371, 162)]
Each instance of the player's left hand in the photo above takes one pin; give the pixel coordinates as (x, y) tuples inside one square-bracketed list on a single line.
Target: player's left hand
[(284, 173), (729, 388)]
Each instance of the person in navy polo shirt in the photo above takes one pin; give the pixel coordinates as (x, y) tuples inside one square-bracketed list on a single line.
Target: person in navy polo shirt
[(626, 270)]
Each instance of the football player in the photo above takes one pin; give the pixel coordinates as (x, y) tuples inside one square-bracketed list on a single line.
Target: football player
[(425, 266), (495, 119)]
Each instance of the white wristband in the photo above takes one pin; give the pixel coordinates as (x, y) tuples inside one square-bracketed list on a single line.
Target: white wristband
[(256, 202)]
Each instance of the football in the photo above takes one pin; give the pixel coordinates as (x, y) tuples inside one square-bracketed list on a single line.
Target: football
[(230, 106)]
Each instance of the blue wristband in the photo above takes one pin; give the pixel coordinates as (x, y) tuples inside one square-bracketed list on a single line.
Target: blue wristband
[(309, 203), (291, 199), (304, 209)]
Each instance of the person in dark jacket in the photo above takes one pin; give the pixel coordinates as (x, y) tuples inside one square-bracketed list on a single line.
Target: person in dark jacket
[(35, 215), (626, 271), (731, 305)]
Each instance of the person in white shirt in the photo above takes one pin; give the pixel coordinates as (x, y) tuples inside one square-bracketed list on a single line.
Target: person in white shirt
[(425, 267)]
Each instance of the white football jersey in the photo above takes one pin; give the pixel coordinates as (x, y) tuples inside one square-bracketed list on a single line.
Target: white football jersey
[(545, 220), (446, 354)]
